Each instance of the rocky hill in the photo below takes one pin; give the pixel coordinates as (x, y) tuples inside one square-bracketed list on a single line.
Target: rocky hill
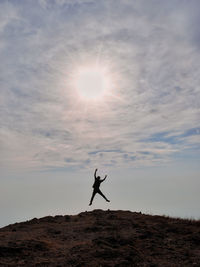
[(101, 238)]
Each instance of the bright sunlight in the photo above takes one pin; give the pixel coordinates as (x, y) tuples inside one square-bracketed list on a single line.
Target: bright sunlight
[(92, 83)]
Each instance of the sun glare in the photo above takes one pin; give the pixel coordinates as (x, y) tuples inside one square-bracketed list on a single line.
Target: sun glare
[(92, 83)]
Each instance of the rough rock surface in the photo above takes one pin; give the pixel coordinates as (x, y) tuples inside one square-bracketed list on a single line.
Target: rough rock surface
[(101, 238)]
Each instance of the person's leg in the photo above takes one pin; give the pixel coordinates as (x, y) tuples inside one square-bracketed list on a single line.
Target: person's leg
[(93, 194), (100, 193)]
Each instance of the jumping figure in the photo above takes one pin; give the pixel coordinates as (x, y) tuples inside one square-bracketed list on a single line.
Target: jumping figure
[(96, 186)]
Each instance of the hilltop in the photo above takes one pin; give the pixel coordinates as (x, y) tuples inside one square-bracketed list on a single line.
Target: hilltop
[(101, 238)]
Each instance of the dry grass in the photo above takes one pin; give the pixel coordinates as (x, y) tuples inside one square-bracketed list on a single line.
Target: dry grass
[(101, 238)]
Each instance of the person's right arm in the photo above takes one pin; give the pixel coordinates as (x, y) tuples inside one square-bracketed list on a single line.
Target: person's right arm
[(95, 174)]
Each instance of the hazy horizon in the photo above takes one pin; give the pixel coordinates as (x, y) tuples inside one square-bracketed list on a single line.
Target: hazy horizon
[(112, 85)]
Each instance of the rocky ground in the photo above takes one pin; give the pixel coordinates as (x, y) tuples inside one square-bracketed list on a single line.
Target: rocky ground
[(101, 238)]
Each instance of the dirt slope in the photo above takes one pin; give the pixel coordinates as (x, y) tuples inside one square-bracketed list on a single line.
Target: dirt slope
[(101, 238)]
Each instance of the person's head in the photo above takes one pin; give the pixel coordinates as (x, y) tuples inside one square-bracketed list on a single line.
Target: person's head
[(98, 177)]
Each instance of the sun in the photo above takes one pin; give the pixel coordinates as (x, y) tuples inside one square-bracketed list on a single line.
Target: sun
[(92, 82)]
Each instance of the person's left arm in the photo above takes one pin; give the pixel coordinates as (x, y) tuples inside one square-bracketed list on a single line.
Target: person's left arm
[(104, 178)]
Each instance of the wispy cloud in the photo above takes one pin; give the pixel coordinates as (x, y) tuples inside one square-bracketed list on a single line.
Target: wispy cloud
[(152, 49)]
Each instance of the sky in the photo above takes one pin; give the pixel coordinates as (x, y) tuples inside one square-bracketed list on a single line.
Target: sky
[(142, 130)]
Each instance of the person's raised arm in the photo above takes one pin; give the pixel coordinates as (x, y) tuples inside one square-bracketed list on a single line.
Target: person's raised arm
[(95, 174), (104, 178)]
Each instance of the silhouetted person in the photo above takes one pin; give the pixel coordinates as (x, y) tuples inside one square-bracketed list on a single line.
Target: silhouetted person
[(96, 186)]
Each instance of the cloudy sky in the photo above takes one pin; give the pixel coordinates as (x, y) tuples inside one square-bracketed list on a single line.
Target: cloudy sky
[(144, 130)]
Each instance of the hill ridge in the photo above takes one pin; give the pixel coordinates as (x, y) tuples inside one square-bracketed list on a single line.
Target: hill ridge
[(101, 238)]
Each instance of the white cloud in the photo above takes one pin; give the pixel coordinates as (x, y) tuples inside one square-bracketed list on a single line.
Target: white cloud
[(154, 58)]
